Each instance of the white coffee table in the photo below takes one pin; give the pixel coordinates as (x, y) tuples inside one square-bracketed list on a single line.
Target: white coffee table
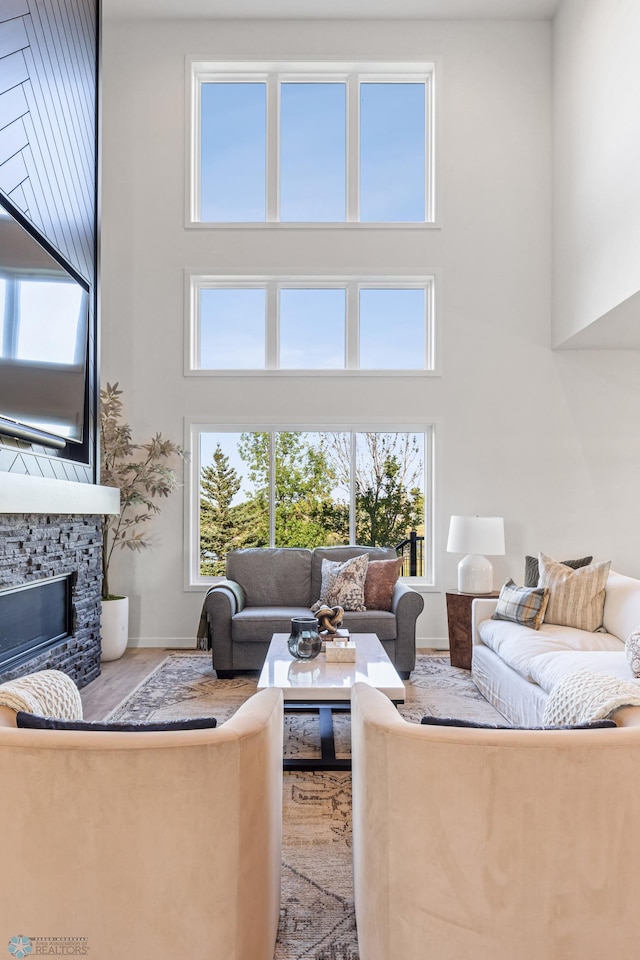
[(315, 685)]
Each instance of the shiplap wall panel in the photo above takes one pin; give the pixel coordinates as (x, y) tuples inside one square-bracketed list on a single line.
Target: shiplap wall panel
[(48, 151), (47, 78)]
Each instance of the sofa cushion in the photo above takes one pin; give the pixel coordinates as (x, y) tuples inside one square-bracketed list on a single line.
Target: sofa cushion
[(518, 645), (372, 621), (343, 583), (524, 605), (621, 605), (380, 582), (272, 576), (260, 623), (547, 669), (576, 596), (33, 722), (341, 554), (632, 650), (532, 570), (455, 722)]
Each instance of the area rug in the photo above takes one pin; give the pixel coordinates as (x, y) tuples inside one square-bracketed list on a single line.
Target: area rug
[(317, 920)]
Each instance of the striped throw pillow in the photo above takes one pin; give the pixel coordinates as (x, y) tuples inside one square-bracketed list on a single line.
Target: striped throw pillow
[(576, 597), (525, 605)]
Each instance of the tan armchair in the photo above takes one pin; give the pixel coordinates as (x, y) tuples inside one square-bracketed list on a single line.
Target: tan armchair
[(151, 845), (490, 845)]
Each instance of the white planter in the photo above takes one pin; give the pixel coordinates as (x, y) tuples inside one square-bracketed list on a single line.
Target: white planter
[(114, 628)]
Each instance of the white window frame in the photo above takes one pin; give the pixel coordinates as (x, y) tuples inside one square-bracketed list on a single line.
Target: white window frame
[(273, 74), (195, 282), (195, 427)]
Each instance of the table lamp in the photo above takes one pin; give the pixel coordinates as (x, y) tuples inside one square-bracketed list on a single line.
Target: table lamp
[(476, 536)]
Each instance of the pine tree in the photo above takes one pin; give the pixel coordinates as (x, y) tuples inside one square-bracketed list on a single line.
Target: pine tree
[(219, 529)]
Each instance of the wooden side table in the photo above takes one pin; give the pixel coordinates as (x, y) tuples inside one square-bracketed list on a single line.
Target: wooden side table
[(459, 623)]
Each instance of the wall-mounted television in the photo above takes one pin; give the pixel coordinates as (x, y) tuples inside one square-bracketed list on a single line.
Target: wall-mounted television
[(44, 338)]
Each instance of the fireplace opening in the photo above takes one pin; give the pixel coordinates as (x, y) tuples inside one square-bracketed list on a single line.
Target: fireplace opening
[(33, 617)]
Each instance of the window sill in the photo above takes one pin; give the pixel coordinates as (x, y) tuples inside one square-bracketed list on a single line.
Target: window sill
[(321, 374), (295, 225)]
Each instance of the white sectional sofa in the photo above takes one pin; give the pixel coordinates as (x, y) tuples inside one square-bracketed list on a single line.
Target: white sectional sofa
[(515, 667)]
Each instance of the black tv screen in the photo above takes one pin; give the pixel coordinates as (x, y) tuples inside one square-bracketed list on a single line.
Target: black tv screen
[(44, 327)]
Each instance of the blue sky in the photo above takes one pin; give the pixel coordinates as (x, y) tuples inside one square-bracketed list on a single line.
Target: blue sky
[(232, 328), (313, 152)]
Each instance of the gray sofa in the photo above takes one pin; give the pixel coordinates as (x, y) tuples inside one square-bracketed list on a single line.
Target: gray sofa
[(266, 587)]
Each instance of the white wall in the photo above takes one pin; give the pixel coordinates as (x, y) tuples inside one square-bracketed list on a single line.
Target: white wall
[(521, 432), (596, 128)]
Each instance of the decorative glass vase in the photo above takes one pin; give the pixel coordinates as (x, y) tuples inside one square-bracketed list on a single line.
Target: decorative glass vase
[(304, 642)]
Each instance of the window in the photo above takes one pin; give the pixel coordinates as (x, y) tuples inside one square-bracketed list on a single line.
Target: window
[(313, 324), (299, 488), (311, 143)]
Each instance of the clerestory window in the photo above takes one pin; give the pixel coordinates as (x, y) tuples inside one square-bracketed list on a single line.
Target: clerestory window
[(314, 324), (311, 143)]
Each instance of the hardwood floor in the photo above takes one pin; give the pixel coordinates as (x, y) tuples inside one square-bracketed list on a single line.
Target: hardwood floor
[(117, 679)]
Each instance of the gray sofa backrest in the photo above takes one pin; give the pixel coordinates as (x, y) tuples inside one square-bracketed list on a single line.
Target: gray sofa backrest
[(272, 576), (342, 554)]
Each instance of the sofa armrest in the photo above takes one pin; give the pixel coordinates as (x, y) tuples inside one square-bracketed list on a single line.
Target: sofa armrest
[(481, 609), (407, 605), (221, 603), (232, 591)]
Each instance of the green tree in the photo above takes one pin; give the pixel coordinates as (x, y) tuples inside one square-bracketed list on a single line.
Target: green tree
[(388, 471), (220, 523), (306, 514)]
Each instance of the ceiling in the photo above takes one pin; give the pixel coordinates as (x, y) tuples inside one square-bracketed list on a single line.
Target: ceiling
[(331, 9)]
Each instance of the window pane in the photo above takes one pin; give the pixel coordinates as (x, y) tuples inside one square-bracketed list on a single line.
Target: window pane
[(312, 329), (392, 152), (310, 507), (312, 151), (232, 329), (233, 135), (392, 329), (49, 322), (389, 489), (234, 502)]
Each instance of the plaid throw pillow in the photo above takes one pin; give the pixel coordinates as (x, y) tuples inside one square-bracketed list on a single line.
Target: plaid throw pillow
[(525, 605)]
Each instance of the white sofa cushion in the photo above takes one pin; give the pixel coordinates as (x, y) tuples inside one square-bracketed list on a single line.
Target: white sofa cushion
[(550, 668), (621, 605), (517, 645)]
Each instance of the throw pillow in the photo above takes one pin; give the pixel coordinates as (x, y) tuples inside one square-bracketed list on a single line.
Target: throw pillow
[(632, 649), (343, 584), (380, 583), (525, 605), (532, 571), (454, 722), (33, 722), (576, 597)]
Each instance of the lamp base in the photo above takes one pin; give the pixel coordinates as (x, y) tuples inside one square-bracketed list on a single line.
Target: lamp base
[(475, 574)]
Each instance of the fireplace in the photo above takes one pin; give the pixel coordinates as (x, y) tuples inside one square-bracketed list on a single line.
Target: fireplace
[(33, 617), (50, 579)]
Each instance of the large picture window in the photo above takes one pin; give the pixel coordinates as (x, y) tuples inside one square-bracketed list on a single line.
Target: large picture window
[(307, 488), (317, 325), (311, 143)]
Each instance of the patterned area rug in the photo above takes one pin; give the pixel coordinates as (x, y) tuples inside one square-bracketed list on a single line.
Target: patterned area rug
[(317, 919)]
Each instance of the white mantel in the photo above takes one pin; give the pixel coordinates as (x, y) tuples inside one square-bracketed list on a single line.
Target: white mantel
[(26, 494)]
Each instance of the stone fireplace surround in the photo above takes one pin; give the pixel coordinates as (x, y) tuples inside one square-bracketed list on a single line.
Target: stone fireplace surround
[(52, 528), (39, 546)]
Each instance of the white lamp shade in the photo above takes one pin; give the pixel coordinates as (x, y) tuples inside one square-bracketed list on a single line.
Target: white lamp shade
[(476, 535)]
